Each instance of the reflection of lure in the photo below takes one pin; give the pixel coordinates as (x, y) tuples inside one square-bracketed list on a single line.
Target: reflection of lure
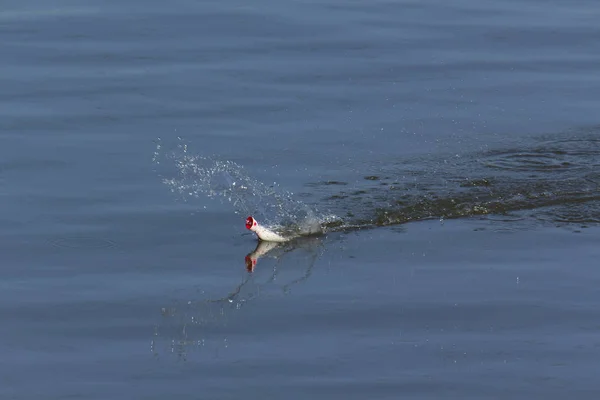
[(278, 250), (261, 250), (264, 233)]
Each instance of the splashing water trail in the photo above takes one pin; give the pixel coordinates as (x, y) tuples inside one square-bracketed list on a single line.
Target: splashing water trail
[(553, 179), (196, 175)]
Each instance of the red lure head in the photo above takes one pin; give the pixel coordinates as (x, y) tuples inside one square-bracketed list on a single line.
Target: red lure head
[(250, 222)]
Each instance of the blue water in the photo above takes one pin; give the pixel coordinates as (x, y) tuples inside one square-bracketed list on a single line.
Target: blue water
[(451, 151)]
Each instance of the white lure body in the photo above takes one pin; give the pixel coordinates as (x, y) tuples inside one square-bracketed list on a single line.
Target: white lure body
[(264, 233)]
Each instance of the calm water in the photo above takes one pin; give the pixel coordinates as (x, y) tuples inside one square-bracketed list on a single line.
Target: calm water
[(451, 150)]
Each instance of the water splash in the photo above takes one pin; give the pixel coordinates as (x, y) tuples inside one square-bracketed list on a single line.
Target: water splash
[(197, 176)]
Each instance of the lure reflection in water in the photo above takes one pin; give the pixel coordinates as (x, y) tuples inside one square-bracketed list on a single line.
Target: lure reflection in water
[(201, 323)]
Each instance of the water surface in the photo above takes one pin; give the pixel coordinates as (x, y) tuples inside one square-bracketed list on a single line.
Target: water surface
[(450, 149)]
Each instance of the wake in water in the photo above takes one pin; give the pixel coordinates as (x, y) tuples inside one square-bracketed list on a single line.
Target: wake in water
[(198, 176), (556, 179)]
